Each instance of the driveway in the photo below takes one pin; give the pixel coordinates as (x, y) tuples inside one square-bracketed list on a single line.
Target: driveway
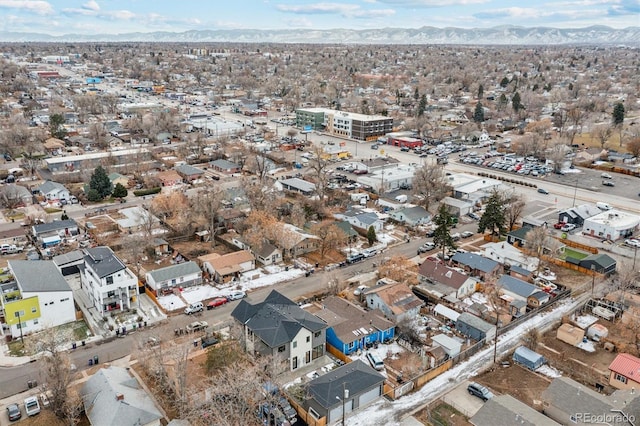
[(460, 399)]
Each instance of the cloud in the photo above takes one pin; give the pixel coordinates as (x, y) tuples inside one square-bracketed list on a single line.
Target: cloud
[(118, 15), (36, 6), (528, 14), (345, 10), (300, 22), (91, 5), (431, 3)]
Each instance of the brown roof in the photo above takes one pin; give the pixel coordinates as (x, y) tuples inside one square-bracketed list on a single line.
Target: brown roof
[(397, 296), (227, 263), (169, 175), (439, 273), (53, 143), (346, 318)]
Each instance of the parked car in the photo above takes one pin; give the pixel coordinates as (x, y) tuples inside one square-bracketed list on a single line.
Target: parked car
[(466, 234), (10, 249), (606, 176), (237, 295), (14, 413), (31, 406), (473, 216), (633, 242), (45, 398), (209, 341), (543, 191), (568, 227), (193, 308), (287, 409), (360, 172), (608, 183), (218, 301), (428, 246), (559, 225), (480, 391), (405, 149), (197, 326), (355, 258), (456, 236)]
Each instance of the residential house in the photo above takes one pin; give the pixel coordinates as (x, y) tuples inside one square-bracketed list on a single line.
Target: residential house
[(350, 387), (601, 263), (225, 166), (361, 219), (16, 195), (451, 346), (611, 225), (38, 298), (69, 263), (347, 228), (169, 178), (571, 403), (509, 256), (518, 237), (226, 267), (505, 410), (298, 185), (54, 146), (296, 242), (53, 190), (268, 254), (109, 284), (52, 233), (278, 327), (189, 173), (117, 178), (515, 293), (578, 214), (625, 372), (476, 265), (411, 216), (137, 219), (458, 207), (434, 276), (181, 275), (113, 396), (475, 327), (352, 328), (396, 300), (229, 218)]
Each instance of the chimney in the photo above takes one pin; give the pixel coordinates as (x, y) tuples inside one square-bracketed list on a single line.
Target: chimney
[(119, 397)]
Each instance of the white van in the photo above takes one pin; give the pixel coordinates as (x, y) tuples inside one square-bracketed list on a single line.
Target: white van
[(603, 206), (375, 361), (193, 308)]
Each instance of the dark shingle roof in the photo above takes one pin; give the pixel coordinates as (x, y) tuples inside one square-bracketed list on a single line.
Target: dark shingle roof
[(103, 261), (514, 285), (356, 376), (56, 225), (475, 261), (189, 170), (277, 320)]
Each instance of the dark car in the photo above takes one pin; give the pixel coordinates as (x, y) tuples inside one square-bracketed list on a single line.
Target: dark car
[(218, 301), (543, 191), (608, 183), (404, 149), (14, 413), (209, 341), (480, 391)]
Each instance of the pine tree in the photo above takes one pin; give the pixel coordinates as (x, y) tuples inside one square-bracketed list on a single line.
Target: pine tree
[(494, 218), (478, 114), (422, 107), (618, 114), (119, 191), (441, 236), (56, 128), (516, 102), (100, 182), (480, 91), (371, 235)]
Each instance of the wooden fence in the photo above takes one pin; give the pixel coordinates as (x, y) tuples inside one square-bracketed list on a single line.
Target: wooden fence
[(305, 416), (153, 297), (336, 353), (433, 373), (575, 244)]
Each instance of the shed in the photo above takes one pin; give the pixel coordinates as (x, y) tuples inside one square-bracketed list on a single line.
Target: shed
[(597, 332), (528, 358), (570, 334), (446, 312), (450, 345), (475, 327)]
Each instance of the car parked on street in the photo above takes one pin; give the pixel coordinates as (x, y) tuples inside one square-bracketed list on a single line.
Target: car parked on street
[(14, 413), (32, 406), (608, 183), (237, 295), (197, 326), (480, 391), (543, 191), (568, 227), (218, 301), (428, 246), (632, 242), (466, 234)]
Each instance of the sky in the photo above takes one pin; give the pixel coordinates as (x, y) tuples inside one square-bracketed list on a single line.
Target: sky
[(58, 17)]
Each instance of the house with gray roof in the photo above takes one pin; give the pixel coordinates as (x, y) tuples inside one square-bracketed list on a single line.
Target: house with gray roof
[(475, 327), (267, 253), (181, 275), (298, 185), (280, 328), (512, 288), (411, 216), (53, 190), (113, 397), (189, 173), (52, 233), (109, 284), (505, 410), (39, 297), (602, 263), (361, 219), (476, 265), (352, 386), (137, 219), (225, 166), (69, 263), (578, 214), (569, 402)]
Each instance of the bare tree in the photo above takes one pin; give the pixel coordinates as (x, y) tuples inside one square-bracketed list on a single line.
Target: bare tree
[(536, 241), (602, 134), (399, 268), (531, 338), (319, 171), (430, 185), (331, 237), (514, 205)]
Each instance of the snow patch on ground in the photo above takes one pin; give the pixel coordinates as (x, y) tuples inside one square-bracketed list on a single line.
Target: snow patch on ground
[(584, 321), (171, 302), (549, 371)]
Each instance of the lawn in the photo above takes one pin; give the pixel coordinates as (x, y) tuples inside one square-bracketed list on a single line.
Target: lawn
[(576, 254)]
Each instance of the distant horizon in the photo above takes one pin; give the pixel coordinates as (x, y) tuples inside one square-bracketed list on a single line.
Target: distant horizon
[(57, 18)]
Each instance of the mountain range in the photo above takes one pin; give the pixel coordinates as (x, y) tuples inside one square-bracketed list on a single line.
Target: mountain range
[(503, 35)]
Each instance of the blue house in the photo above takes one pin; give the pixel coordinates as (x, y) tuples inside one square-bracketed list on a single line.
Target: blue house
[(352, 328)]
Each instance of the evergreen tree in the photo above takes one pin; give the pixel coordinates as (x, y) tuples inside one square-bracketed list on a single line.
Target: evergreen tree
[(93, 196), (502, 101), (100, 183), (119, 191), (504, 82), (441, 236), (478, 114), (480, 91), (371, 235), (64, 215), (494, 218), (56, 128), (416, 94), (516, 103), (422, 107), (618, 114)]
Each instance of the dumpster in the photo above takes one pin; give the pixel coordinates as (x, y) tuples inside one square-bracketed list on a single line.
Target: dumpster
[(90, 362), (95, 359)]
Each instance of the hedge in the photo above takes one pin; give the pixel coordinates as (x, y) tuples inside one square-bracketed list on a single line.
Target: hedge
[(142, 192)]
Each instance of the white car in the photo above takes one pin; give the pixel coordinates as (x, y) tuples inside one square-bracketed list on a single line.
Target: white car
[(568, 227), (236, 295), (633, 242), (32, 406)]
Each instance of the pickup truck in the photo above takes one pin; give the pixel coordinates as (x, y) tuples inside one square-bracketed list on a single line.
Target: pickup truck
[(10, 249)]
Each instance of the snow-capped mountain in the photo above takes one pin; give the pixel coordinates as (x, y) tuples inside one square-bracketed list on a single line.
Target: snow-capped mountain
[(503, 35)]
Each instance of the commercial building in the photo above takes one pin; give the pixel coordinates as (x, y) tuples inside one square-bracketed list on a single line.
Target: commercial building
[(611, 225), (344, 124)]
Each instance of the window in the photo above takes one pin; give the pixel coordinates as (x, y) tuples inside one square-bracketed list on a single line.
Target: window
[(308, 339), (307, 357), (295, 344), (35, 322), (294, 363), (317, 334), (620, 378), (111, 293), (281, 348), (34, 310), (109, 280)]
